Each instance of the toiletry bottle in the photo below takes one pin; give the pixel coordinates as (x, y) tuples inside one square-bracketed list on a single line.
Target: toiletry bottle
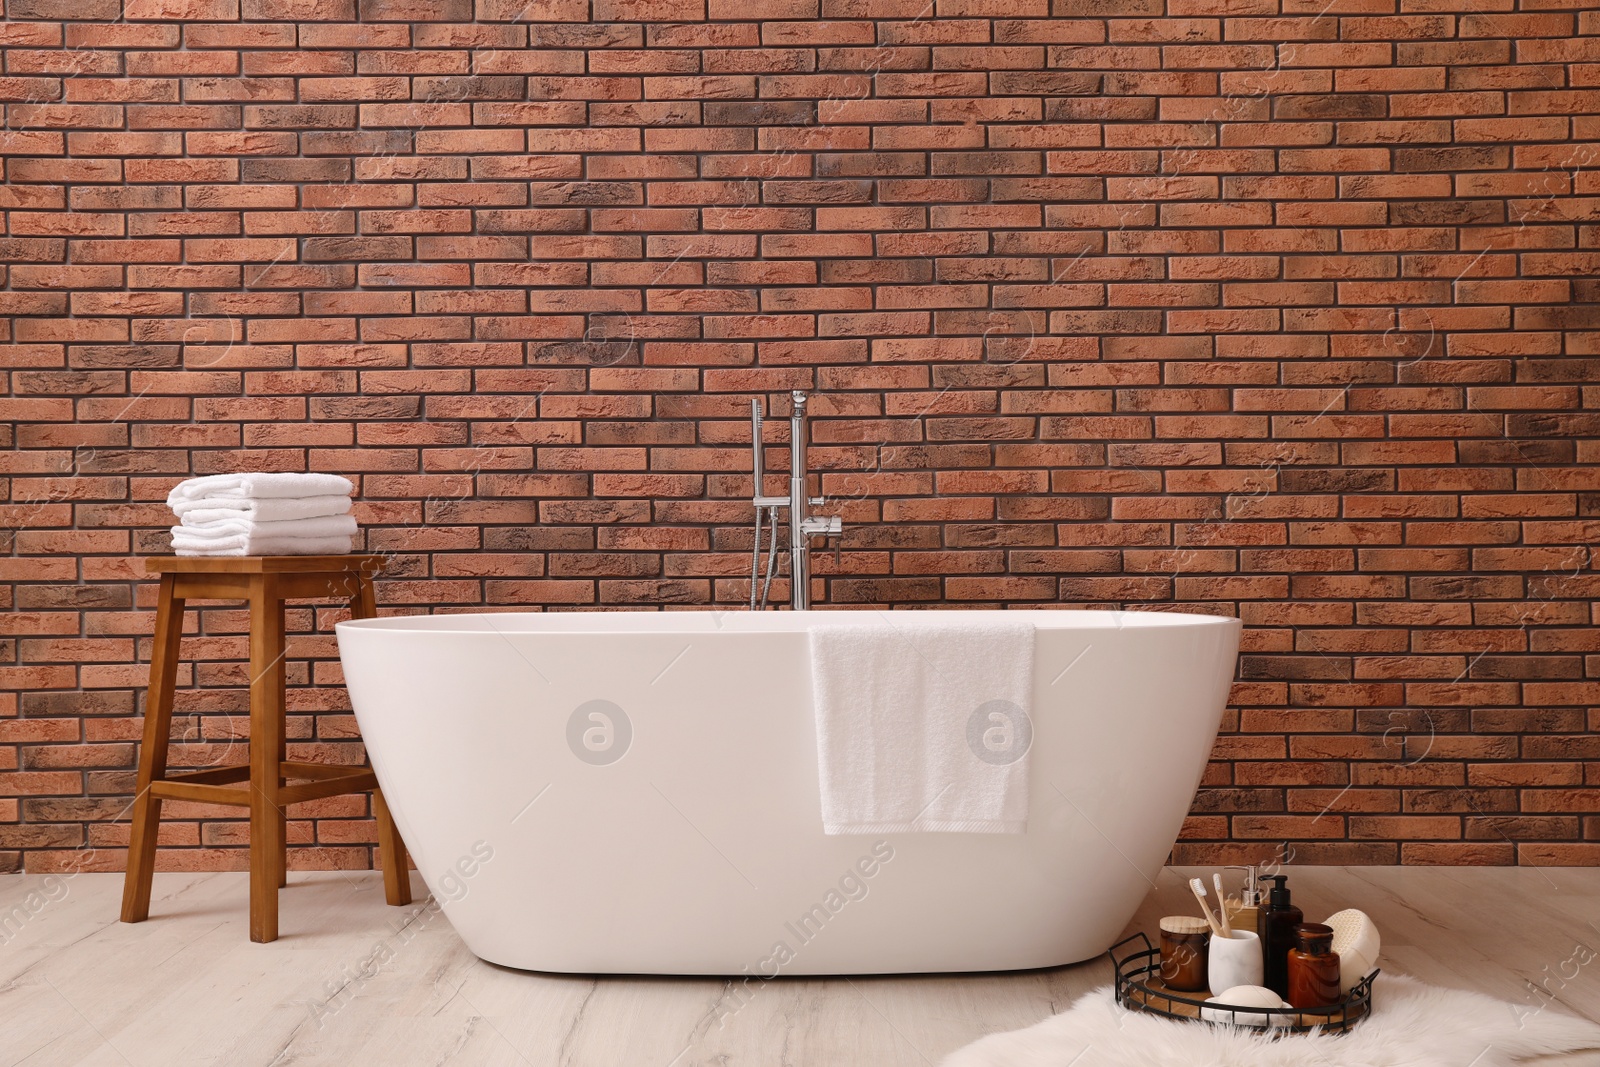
[(1247, 915), (1313, 968), (1275, 926)]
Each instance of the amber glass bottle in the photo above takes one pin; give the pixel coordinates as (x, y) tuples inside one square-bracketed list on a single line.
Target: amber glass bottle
[(1313, 967)]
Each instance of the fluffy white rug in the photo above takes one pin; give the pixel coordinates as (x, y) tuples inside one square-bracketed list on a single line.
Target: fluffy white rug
[(1412, 1025)]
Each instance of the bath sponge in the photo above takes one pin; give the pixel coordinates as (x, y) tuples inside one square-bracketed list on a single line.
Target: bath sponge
[(1355, 939)]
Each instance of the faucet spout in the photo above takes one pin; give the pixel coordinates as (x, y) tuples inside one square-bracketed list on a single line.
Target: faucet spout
[(799, 507)]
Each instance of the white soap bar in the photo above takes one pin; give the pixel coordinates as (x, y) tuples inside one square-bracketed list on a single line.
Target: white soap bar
[(1246, 996)]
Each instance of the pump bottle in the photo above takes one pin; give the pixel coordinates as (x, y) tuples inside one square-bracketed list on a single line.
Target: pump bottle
[(1275, 928)]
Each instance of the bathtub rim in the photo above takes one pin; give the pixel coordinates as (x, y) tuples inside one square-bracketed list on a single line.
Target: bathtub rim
[(694, 621)]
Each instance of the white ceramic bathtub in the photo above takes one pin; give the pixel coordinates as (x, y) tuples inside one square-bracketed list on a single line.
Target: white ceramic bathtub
[(558, 842)]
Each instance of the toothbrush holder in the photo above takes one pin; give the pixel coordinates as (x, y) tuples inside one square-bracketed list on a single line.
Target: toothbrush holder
[(1233, 961)]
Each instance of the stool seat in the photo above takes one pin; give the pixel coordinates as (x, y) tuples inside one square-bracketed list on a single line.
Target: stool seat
[(262, 785)]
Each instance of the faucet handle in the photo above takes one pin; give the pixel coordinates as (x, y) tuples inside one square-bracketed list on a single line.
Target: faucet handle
[(817, 501), (822, 526)]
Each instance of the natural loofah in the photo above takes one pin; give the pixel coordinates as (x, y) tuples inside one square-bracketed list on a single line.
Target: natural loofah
[(1355, 939)]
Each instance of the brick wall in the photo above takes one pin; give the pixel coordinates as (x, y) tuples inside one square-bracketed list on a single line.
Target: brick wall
[(1289, 314)]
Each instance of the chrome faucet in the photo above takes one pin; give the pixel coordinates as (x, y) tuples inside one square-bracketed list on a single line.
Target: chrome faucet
[(803, 526)]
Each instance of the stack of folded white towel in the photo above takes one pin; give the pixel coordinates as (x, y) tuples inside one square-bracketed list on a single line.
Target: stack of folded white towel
[(263, 515)]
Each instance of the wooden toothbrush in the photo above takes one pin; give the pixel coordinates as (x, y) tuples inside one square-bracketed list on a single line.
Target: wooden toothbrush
[(1222, 906), (1199, 889)]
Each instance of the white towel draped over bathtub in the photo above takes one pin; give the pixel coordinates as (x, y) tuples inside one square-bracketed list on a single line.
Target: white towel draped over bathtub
[(923, 726)]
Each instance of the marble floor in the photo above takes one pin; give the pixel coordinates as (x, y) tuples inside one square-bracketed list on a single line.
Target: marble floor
[(352, 981)]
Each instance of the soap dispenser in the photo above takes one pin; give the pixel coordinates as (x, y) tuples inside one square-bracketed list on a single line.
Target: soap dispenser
[(1275, 929), (1247, 915)]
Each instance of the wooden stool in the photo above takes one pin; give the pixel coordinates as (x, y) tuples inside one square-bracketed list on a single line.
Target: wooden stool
[(265, 582)]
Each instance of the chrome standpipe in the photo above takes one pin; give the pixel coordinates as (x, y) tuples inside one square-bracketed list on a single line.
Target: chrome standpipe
[(803, 526)]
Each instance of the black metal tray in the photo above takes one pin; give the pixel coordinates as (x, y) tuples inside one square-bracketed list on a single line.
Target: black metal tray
[(1139, 988)]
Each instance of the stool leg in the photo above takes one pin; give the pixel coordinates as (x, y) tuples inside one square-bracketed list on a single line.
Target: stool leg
[(267, 829), (396, 879), (153, 753), (364, 605), (280, 857)]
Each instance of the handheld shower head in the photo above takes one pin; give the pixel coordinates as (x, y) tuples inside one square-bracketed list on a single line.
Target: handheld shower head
[(757, 458)]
